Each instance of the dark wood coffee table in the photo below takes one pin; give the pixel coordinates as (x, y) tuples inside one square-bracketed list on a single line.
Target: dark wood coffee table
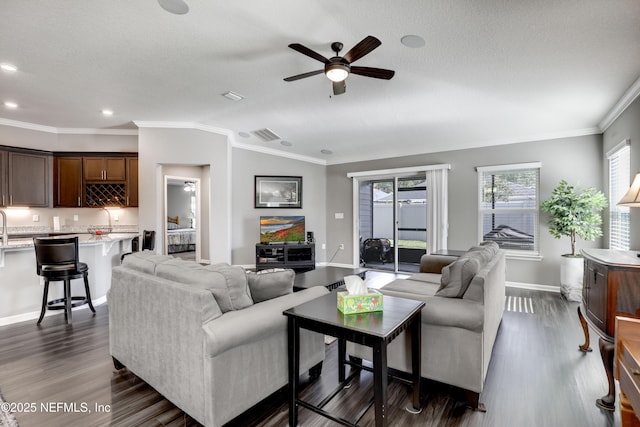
[(375, 330), (329, 277)]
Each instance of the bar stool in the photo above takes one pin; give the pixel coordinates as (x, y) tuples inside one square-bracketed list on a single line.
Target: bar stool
[(148, 243), (57, 260)]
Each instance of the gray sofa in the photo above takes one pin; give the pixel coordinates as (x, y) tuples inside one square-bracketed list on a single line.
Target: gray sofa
[(464, 305), (212, 340)]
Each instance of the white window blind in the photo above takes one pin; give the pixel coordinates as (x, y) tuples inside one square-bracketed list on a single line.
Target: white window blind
[(508, 206), (619, 176)]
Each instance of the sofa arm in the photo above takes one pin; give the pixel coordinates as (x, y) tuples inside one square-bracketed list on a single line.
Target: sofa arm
[(435, 263), (453, 312), (235, 328)]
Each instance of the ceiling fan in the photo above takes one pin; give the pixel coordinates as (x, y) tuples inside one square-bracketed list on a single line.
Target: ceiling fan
[(338, 68)]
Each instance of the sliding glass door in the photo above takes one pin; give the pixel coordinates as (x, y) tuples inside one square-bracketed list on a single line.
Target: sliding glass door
[(393, 222)]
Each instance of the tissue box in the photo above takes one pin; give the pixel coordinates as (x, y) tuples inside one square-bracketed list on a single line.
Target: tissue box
[(349, 304)]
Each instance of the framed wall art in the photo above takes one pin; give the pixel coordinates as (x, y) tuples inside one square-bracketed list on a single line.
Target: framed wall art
[(278, 191)]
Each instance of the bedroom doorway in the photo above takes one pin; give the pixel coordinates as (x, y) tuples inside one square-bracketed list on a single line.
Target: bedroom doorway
[(182, 217)]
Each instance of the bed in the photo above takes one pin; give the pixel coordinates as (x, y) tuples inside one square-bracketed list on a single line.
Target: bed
[(179, 238)]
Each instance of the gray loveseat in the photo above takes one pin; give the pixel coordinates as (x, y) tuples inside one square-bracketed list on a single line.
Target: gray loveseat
[(464, 304), (212, 340)]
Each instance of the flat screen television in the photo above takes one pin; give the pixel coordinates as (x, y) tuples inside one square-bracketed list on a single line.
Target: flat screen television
[(282, 229)]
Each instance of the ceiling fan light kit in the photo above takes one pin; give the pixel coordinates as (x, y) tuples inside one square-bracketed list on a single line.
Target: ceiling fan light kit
[(338, 68)]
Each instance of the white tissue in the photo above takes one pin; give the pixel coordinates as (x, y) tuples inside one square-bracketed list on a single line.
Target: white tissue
[(355, 285)]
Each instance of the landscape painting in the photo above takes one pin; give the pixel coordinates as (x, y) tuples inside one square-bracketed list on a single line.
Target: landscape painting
[(278, 229)]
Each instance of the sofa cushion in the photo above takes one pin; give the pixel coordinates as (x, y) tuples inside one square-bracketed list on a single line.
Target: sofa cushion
[(457, 275), (145, 261), (227, 284), (268, 284)]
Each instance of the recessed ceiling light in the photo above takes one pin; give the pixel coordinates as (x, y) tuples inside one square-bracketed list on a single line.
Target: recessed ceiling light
[(325, 151), (412, 41), (286, 143), (10, 104), (233, 96), (9, 67), (177, 7), (107, 112), (244, 134)]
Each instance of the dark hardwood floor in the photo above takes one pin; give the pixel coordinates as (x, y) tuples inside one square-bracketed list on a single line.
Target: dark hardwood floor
[(537, 377)]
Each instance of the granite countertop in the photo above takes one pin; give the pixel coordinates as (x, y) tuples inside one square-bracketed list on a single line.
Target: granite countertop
[(25, 240)]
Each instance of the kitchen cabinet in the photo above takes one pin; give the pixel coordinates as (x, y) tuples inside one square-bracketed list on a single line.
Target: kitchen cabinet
[(28, 182), (67, 186), (132, 181), (104, 168), (3, 180)]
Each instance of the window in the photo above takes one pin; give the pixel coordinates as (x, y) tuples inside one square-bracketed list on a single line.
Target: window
[(508, 207), (619, 172)]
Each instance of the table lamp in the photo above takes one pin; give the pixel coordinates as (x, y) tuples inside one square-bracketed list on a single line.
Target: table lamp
[(632, 196)]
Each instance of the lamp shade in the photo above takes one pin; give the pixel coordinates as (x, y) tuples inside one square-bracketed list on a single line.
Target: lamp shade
[(632, 197)]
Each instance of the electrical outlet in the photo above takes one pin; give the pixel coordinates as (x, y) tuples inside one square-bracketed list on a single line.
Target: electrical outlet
[(324, 246), (341, 246), (116, 218), (75, 217), (36, 218)]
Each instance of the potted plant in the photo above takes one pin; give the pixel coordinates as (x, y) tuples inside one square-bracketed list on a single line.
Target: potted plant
[(574, 214)]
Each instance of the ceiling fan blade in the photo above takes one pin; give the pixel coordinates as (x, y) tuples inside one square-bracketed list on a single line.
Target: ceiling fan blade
[(339, 87), (310, 53), (303, 75), (376, 73), (365, 46)]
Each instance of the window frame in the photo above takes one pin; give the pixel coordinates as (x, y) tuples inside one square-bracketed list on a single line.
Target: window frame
[(533, 254), (621, 149)]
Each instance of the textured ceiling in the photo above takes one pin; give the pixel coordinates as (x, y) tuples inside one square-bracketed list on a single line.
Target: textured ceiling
[(491, 72)]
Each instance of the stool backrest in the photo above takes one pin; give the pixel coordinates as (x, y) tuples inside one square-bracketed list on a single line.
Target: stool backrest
[(148, 239), (58, 252)]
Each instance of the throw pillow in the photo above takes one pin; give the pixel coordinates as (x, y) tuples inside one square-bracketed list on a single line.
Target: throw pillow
[(268, 284), (456, 276)]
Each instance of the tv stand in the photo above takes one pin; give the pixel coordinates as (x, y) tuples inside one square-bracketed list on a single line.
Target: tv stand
[(297, 256)]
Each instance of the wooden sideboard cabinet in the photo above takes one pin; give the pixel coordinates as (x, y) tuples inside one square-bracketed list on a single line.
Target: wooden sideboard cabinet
[(611, 288), (627, 369)]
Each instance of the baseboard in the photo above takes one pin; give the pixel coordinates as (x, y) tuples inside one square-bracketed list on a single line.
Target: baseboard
[(533, 286), (9, 320)]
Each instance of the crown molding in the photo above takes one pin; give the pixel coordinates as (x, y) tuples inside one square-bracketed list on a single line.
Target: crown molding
[(629, 96), (68, 131), (279, 153), (183, 125)]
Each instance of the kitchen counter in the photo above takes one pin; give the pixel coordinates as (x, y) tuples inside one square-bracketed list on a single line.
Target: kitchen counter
[(21, 288)]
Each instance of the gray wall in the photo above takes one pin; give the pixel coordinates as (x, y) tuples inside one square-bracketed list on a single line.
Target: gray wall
[(578, 160), (626, 126), (246, 218)]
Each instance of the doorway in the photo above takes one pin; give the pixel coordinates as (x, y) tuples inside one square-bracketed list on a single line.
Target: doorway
[(393, 222), (182, 217)]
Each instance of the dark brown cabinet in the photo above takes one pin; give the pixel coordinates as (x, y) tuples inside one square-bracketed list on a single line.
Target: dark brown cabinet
[(28, 179), (611, 287), (297, 256), (132, 181), (3, 179), (95, 180), (68, 181), (104, 168)]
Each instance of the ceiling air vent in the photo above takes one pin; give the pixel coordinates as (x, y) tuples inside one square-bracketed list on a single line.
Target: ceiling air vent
[(266, 134)]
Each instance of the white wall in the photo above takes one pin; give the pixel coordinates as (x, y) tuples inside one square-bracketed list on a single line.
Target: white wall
[(159, 148), (578, 160), (627, 126), (246, 218)]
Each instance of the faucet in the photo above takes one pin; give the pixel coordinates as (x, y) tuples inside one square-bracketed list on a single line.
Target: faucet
[(5, 232), (109, 215)]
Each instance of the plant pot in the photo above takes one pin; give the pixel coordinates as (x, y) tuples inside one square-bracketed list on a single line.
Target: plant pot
[(571, 275)]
